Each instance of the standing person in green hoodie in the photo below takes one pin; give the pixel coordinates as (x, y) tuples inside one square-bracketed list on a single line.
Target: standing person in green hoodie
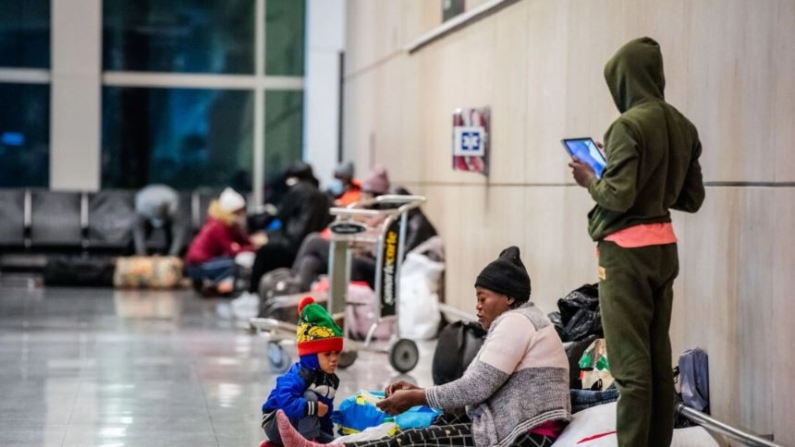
[(652, 153)]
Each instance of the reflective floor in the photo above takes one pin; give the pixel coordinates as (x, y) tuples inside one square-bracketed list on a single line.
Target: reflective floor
[(105, 368)]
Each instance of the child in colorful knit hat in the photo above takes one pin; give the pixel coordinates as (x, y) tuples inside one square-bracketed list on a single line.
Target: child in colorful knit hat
[(306, 391)]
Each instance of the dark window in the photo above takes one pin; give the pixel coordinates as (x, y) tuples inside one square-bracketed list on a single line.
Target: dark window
[(184, 138), (284, 121), (25, 33), (184, 36), (284, 37), (25, 135)]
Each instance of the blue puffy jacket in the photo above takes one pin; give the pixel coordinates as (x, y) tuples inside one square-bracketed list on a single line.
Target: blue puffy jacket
[(288, 395)]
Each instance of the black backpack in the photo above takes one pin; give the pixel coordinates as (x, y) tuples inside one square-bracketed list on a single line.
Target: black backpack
[(275, 284), (458, 345)]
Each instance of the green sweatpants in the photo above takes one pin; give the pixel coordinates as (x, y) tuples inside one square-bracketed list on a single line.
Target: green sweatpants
[(635, 296)]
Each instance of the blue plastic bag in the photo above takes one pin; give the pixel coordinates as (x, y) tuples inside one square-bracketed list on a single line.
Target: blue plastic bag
[(417, 417), (275, 224), (358, 413)]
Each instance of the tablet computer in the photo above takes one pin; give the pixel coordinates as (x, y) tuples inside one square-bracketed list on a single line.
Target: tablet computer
[(586, 150)]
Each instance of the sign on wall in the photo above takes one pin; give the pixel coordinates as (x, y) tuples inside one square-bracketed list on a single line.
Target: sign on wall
[(471, 140)]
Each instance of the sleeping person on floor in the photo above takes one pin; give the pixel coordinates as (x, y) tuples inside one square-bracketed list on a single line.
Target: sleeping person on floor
[(515, 392)]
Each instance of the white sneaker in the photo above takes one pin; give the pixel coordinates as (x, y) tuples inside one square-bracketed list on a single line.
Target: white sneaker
[(245, 306)]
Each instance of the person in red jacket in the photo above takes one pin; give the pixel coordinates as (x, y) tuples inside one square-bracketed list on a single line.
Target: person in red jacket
[(211, 254)]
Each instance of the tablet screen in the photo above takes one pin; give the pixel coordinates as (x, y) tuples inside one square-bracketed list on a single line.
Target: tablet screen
[(586, 151)]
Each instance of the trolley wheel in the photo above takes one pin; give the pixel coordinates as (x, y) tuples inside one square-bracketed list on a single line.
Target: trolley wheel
[(278, 358), (347, 358), (404, 355)]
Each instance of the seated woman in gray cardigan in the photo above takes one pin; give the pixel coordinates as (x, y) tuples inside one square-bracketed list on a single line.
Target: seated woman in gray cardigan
[(514, 394)]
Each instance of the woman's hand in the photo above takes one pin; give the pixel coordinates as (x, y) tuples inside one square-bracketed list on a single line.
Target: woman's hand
[(402, 400), (399, 385)]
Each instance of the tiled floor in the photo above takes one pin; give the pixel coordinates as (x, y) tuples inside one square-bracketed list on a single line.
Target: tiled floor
[(104, 368)]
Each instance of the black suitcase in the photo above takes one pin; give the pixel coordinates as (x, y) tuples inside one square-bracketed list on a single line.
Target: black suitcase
[(457, 347), (79, 271)]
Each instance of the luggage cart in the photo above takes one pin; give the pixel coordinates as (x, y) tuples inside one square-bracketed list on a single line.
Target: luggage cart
[(715, 426), (389, 239)]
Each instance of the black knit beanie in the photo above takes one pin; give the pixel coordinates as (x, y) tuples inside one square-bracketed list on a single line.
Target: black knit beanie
[(507, 276)]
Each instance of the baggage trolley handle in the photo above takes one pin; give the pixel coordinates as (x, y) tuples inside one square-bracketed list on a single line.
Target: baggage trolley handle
[(724, 429)]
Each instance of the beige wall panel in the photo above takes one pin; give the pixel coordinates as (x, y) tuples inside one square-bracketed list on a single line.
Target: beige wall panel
[(482, 237), (509, 103), (389, 27), (472, 4), (443, 209), (783, 130), (543, 252), (470, 251), (727, 266), (545, 117), (374, 33), (755, 308), (782, 353), (410, 122), (359, 124), (360, 42), (731, 66), (419, 17), (456, 71), (710, 259), (592, 39), (394, 146), (680, 307)]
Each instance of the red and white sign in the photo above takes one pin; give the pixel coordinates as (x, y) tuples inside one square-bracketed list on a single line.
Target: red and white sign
[(471, 140)]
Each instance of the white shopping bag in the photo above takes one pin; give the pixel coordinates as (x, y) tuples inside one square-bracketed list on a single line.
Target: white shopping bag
[(418, 303)]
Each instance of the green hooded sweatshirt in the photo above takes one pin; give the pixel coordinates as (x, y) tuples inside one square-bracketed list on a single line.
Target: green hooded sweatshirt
[(652, 150)]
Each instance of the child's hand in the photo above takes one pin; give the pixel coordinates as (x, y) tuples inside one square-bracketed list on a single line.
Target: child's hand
[(322, 409)]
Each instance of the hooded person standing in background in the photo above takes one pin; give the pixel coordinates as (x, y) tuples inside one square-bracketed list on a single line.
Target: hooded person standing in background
[(652, 153)]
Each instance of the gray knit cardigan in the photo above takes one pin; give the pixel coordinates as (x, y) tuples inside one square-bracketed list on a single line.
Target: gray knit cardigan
[(518, 381)]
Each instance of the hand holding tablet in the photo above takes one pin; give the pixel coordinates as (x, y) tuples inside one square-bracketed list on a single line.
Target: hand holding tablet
[(586, 150)]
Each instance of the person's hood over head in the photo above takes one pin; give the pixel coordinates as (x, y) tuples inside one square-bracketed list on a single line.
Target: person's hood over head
[(300, 172), (344, 171), (231, 201), (635, 73), (378, 182)]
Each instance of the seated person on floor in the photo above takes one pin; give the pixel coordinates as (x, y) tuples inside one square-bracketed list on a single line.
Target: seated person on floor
[(515, 392), (304, 210), (312, 258), (345, 190), (211, 255), (305, 393)]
